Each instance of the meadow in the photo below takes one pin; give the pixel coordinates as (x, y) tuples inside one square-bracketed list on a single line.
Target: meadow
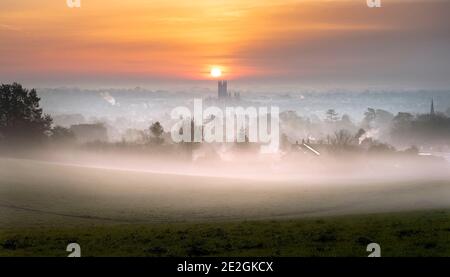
[(109, 212), (412, 234)]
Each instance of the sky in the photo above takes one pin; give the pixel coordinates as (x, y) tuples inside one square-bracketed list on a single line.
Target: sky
[(343, 42)]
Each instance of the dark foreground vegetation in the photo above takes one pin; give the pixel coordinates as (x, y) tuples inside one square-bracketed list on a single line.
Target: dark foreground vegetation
[(399, 234)]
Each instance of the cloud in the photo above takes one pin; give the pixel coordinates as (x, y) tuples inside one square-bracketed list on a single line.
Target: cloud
[(10, 27), (288, 41)]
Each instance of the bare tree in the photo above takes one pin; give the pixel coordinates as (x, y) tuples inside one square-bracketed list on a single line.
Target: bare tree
[(332, 115), (342, 138)]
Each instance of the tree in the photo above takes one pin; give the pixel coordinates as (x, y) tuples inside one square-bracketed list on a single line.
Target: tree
[(332, 115), (422, 129), (360, 135), (342, 138), (403, 118), (134, 136), (381, 148), (157, 130), (345, 119), (383, 117), (369, 117), (62, 135), (21, 118)]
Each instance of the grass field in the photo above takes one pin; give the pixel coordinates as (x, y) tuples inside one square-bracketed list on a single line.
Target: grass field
[(110, 212), (399, 234)]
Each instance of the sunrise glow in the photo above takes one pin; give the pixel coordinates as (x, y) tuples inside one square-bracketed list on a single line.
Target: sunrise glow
[(216, 72), (265, 40)]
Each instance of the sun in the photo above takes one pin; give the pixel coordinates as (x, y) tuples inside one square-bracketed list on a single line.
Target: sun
[(216, 72)]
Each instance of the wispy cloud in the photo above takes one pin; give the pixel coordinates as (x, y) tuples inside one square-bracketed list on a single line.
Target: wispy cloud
[(10, 27), (297, 40)]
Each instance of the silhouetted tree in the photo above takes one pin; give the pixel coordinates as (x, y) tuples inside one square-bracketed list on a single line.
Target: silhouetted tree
[(345, 119), (62, 135), (156, 129), (381, 148), (423, 129), (332, 115), (360, 133), (383, 117), (369, 117), (403, 118), (342, 138), (21, 118)]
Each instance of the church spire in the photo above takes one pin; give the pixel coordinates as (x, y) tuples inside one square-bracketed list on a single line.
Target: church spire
[(432, 113)]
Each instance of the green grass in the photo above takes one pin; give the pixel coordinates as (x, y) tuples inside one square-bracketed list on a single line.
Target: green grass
[(425, 233)]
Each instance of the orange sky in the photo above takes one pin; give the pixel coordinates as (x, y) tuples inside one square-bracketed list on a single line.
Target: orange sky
[(168, 39)]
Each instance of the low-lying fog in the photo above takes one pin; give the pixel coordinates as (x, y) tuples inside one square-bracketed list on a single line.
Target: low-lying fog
[(74, 187)]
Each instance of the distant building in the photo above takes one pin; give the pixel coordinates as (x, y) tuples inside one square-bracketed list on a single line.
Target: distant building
[(223, 89), (90, 132), (432, 112), (223, 93)]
